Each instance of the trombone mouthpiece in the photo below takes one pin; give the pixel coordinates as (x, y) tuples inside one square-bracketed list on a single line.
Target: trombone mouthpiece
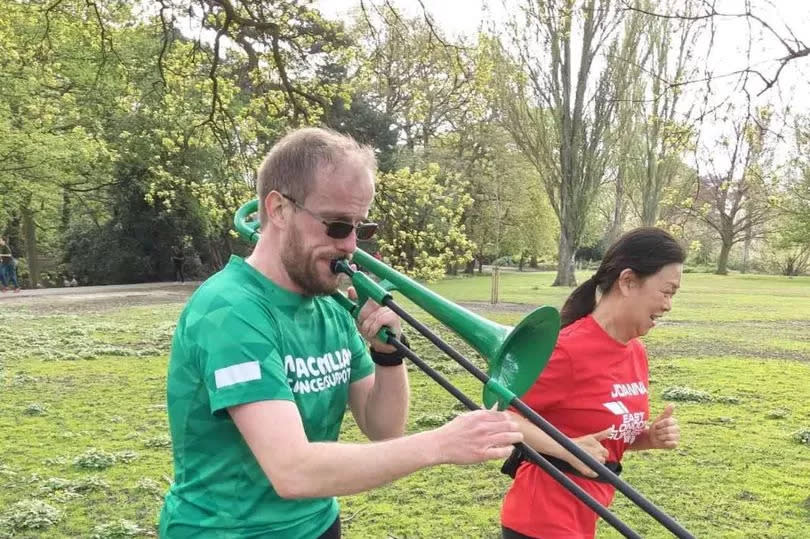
[(333, 265)]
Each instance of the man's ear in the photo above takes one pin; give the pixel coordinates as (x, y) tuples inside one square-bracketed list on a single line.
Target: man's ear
[(627, 281), (274, 209)]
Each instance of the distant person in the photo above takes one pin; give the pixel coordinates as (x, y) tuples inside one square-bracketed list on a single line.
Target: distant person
[(595, 387), (74, 282), (178, 260), (8, 267)]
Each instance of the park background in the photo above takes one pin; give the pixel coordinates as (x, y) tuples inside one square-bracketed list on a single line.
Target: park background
[(522, 135)]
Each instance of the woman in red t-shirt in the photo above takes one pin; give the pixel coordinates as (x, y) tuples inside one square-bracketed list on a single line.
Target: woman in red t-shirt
[(595, 386)]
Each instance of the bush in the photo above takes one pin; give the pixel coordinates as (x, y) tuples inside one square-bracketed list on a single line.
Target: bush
[(504, 261), (686, 394), (157, 442), (94, 459), (30, 515), (117, 530), (778, 413), (802, 435), (35, 409)]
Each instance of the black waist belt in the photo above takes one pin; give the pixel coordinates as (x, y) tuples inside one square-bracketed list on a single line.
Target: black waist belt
[(511, 465)]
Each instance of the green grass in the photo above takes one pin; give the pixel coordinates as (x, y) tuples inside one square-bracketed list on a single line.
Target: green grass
[(84, 379)]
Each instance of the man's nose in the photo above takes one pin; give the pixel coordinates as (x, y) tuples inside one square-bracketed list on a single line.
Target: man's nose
[(347, 245)]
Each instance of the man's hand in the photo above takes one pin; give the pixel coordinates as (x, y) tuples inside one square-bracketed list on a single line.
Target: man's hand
[(664, 431), (477, 436), (372, 318)]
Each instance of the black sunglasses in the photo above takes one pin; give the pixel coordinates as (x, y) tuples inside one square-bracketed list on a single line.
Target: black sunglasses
[(339, 229)]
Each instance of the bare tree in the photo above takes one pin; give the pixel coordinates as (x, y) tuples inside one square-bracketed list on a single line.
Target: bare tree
[(669, 55), (628, 88), (793, 47), (736, 202), (559, 106)]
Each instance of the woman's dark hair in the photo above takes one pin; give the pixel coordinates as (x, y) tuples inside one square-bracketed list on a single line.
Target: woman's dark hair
[(644, 250)]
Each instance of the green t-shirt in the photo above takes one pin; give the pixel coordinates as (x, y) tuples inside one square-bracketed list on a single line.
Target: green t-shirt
[(241, 339)]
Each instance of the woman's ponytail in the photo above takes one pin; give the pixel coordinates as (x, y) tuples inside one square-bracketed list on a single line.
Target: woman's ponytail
[(581, 302)]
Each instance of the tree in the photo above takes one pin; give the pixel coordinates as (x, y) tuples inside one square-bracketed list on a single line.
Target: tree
[(103, 108), (736, 202), (510, 213), (558, 107), (420, 214), (414, 76), (791, 238), (668, 56), (50, 150), (757, 16)]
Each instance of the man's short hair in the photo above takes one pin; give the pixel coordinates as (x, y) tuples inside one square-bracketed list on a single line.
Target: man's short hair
[(292, 164)]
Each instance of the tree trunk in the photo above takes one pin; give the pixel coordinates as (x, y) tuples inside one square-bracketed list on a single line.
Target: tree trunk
[(65, 217), (469, 268), (746, 250), (722, 262), (617, 222), (649, 211), (30, 237), (565, 263)]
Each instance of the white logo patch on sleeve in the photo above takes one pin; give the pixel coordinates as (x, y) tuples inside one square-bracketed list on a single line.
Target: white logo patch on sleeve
[(236, 374)]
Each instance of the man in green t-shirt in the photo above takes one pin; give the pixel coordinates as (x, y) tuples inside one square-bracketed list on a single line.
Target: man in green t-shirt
[(264, 364)]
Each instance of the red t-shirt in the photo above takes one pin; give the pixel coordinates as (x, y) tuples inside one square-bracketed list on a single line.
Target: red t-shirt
[(591, 382)]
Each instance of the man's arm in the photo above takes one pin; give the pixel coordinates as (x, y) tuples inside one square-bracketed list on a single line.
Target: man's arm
[(298, 468), (379, 402), (543, 443)]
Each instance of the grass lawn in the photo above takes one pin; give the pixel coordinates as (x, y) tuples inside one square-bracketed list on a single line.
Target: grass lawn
[(84, 450)]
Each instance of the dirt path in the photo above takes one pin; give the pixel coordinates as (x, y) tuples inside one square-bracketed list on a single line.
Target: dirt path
[(100, 298), (97, 298)]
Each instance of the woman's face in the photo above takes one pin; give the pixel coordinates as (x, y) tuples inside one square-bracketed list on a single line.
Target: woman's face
[(652, 297)]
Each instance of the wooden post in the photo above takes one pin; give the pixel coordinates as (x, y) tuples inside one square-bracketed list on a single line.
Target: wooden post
[(496, 273)]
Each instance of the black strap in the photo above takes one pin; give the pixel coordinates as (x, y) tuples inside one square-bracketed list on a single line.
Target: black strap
[(392, 359), (511, 465)]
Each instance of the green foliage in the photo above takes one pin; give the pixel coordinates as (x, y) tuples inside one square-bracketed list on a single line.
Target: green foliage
[(94, 459), (421, 216), (802, 435), (687, 394), (29, 515), (121, 138), (75, 486), (158, 442), (35, 409), (117, 530)]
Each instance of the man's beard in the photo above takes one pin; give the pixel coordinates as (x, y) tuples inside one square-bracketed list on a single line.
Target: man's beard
[(300, 267)]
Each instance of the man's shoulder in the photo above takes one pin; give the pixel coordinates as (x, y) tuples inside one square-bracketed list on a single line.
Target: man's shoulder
[(223, 297)]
